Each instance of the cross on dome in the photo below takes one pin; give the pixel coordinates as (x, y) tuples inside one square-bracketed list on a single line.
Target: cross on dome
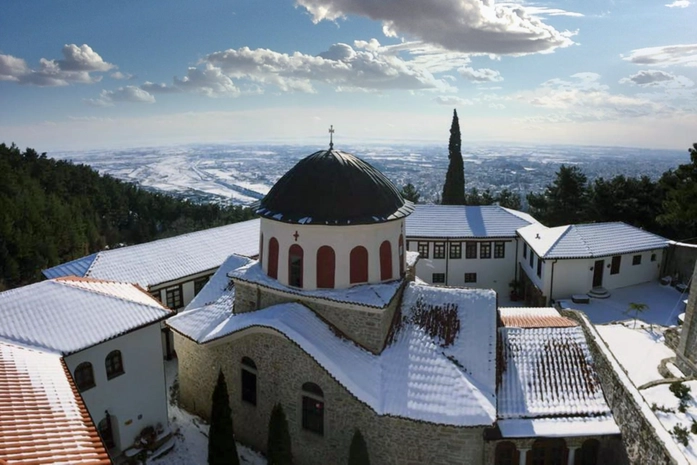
[(331, 137)]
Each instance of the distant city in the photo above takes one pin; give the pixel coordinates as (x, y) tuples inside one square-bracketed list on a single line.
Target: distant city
[(228, 174)]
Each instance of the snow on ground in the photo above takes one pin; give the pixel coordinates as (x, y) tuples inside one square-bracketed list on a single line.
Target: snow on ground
[(663, 398), (664, 304), (639, 350), (191, 434)]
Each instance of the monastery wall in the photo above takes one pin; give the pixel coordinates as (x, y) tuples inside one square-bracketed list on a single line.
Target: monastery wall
[(680, 260), (611, 450), (645, 439), (282, 369), (366, 326)]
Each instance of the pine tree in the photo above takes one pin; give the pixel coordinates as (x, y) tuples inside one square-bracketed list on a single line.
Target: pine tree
[(358, 453), (454, 187), (409, 192), (278, 449), (222, 449)]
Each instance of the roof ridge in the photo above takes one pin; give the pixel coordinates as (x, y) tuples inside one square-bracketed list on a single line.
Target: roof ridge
[(558, 239), (64, 282), (97, 256)]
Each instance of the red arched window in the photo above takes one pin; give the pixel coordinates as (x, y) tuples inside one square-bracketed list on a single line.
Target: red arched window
[(385, 261), (261, 248), (295, 266), (359, 265), (401, 254), (272, 265), (326, 262)]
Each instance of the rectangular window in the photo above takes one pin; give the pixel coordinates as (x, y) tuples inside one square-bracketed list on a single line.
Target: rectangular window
[(636, 260), (653, 257), (249, 386), (470, 277), (456, 250), (313, 415), (616, 261), (174, 297), (470, 250), (200, 283), (485, 250), (423, 249), (499, 249), (539, 267), (532, 258), (525, 250), (439, 250), (438, 278)]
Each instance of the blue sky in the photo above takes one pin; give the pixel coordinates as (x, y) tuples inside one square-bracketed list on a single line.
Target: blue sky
[(94, 75)]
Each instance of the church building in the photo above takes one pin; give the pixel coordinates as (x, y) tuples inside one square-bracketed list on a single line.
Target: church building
[(330, 323)]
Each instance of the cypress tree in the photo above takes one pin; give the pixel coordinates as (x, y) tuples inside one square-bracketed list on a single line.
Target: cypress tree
[(222, 449), (454, 187), (278, 448), (358, 453)]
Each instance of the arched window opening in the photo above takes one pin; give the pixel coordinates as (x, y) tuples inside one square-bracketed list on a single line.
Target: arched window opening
[(249, 381), (84, 376), (385, 261), (359, 265), (272, 265), (401, 255), (261, 248), (506, 454), (106, 431), (295, 266), (548, 452), (114, 364), (326, 265), (313, 408), (588, 453)]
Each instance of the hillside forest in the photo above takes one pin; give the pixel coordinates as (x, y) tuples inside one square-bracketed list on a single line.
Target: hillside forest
[(54, 211)]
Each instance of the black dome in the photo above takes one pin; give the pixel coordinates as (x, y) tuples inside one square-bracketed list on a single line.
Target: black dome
[(333, 187)]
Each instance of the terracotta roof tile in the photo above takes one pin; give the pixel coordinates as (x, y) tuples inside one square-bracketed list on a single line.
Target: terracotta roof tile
[(43, 419), (534, 317)]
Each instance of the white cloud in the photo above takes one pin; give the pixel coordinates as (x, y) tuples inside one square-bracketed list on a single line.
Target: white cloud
[(469, 26), (584, 98), (155, 88), (75, 68), (452, 100), (122, 76), (668, 55), (679, 4), (497, 106), (130, 94), (480, 75), (537, 10), (652, 77), (209, 81)]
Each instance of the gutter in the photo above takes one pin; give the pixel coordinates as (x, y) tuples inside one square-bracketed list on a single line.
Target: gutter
[(551, 284)]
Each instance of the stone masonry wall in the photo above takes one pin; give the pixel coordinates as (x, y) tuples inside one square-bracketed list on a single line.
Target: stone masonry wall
[(688, 338), (611, 450), (368, 328), (282, 368), (645, 440), (681, 260)]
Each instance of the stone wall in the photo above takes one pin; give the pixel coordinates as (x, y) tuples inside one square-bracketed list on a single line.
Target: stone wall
[(645, 439), (688, 338), (611, 451), (282, 369), (366, 326), (680, 261)]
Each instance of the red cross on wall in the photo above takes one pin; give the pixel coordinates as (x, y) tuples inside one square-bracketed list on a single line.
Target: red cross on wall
[(296, 235)]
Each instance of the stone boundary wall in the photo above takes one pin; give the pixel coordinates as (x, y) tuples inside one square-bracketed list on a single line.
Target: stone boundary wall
[(644, 437), (282, 369), (681, 260)]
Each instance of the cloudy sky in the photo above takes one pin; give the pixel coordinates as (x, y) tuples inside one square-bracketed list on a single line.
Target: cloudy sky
[(86, 74)]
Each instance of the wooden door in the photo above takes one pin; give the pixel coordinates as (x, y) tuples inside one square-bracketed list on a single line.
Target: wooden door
[(598, 273)]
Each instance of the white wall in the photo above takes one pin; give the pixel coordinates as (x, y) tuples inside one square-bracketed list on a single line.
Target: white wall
[(187, 283), (492, 273), (341, 238), (136, 399)]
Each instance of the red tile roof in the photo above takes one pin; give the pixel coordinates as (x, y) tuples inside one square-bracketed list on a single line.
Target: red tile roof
[(533, 317), (43, 419)]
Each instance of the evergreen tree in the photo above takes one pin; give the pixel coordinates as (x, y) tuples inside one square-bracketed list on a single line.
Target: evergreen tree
[(680, 205), (565, 201), (409, 192), (454, 187), (222, 449), (509, 199), (278, 450), (358, 453)]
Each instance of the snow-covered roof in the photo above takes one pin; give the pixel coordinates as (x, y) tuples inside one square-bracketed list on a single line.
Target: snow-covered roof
[(533, 317), (42, 416), (589, 240), (549, 373), (558, 427), (165, 260), (460, 221), (66, 315), (219, 283), (420, 375), (368, 295)]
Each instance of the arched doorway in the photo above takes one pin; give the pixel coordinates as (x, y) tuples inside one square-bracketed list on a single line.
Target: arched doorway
[(295, 265), (385, 261), (326, 266)]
